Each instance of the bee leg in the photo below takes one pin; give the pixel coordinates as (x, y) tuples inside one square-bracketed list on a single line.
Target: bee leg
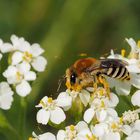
[(103, 81), (95, 84)]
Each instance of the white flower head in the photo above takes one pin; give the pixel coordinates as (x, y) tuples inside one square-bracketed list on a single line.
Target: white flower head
[(50, 110), (6, 96), (22, 51), (101, 106), (20, 75), (28, 53), (77, 132)]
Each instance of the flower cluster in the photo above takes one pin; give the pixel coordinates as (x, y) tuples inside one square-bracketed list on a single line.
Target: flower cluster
[(101, 120), (24, 61)]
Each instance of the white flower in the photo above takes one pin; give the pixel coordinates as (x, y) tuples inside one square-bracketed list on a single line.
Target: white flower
[(64, 100), (111, 129), (19, 76), (135, 98), (45, 136), (135, 49), (84, 95), (101, 106), (23, 51), (28, 53), (78, 132), (134, 132), (50, 110), (6, 96)]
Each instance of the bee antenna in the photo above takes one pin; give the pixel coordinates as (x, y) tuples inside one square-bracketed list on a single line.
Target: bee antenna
[(61, 80)]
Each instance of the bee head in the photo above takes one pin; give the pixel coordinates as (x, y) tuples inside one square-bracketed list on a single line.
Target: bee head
[(72, 79)]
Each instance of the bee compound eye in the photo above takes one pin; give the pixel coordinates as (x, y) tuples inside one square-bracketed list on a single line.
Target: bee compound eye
[(73, 78)]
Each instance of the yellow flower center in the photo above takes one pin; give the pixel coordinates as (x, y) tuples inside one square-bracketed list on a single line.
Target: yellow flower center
[(93, 137), (114, 126), (102, 104), (19, 76), (72, 127), (27, 56), (50, 100), (123, 52), (121, 120)]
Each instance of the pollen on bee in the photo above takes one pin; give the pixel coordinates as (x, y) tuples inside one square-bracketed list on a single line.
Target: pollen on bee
[(68, 84)]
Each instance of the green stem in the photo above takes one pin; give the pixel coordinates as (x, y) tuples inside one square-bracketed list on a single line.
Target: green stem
[(22, 122)]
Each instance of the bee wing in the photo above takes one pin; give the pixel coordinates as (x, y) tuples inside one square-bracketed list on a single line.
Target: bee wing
[(106, 63)]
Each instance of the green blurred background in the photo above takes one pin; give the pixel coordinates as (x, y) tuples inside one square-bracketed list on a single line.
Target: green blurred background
[(65, 29)]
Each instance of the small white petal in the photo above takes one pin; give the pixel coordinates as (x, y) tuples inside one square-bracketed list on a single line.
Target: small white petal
[(112, 136), (10, 71), (23, 88), (30, 76), (36, 50), (39, 63), (137, 125), (113, 101), (99, 129), (112, 112), (47, 136), (82, 129), (135, 80), (64, 100), (101, 115), (127, 129), (57, 115), (85, 97), (17, 58), (132, 43), (89, 114), (23, 67), (136, 98), (6, 96), (61, 135), (43, 116), (6, 47), (134, 136), (123, 87)]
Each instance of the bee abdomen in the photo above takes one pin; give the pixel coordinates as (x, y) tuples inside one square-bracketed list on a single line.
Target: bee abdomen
[(118, 73)]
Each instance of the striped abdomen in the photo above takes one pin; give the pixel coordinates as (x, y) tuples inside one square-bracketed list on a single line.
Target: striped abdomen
[(118, 73)]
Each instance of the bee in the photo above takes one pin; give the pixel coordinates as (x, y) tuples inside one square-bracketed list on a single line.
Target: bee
[(91, 72)]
